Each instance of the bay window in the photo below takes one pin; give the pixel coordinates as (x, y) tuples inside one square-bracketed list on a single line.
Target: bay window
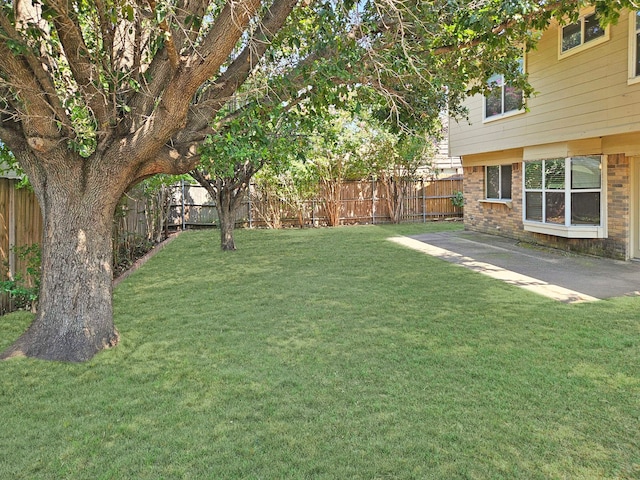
[(564, 196)]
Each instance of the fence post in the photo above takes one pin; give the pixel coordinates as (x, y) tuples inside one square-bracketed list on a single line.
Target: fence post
[(249, 206), (373, 200), (424, 201), (182, 202), (12, 228)]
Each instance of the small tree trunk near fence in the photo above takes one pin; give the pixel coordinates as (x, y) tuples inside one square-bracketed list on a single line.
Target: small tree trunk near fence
[(395, 193), (156, 213), (227, 220), (330, 191), (268, 206), (228, 202), (229, 194)]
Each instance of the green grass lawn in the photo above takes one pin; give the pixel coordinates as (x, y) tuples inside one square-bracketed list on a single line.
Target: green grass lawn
[(330, 354)]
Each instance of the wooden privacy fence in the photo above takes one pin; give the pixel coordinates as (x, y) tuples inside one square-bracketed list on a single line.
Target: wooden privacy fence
[(181, 206), (360, 202), (136, 222), (20, 225)]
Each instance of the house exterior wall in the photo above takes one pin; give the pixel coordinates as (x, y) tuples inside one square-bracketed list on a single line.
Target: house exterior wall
[(585, 106), (579, 96), (506, 218), (493, 217)]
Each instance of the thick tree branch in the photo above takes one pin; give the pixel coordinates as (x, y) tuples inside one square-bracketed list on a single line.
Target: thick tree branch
[(170, 114), (228, 83), (12, 134), (35, 112), (21, 71), (169, 161), (183, 29), (229, 25), (83, 67)]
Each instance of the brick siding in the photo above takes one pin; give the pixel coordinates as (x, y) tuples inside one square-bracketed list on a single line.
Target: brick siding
[(506, 220)]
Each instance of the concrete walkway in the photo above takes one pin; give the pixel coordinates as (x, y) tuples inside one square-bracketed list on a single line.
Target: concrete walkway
[(563, 276)]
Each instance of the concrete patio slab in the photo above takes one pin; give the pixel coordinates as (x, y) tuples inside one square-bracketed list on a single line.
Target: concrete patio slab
[(563, 276)]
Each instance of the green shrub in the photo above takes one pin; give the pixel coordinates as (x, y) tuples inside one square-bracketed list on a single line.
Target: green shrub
[(24, 290), (458, 199)]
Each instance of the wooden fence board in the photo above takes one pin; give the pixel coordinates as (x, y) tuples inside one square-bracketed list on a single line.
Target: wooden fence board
[(20, 225), (5, 193)]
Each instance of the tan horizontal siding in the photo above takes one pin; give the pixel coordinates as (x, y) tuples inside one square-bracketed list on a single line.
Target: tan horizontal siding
[(581, 96)]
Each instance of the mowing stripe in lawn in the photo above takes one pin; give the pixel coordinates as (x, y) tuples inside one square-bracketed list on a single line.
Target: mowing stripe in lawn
[(513, 278)]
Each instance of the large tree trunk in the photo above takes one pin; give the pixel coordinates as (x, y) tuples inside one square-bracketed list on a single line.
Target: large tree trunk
[(75, 316)]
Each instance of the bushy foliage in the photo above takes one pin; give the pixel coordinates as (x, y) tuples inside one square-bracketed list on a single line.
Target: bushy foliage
[(458, 199), (24, 289), (281, 190)]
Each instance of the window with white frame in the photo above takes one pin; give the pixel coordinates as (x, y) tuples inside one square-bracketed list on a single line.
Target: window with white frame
[(584, 33), (503, 99), (564, 191), (634, 47), (498, 182)]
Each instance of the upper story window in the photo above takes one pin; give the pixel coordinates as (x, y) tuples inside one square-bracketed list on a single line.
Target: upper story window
[(503, 99), (498, 182), (634, 47), (584, 33)]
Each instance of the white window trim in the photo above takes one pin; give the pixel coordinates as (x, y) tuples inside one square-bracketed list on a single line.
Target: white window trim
[(583, 46), (500, 199), (567, 230), (510, 113), (493, 118), (632, 78)]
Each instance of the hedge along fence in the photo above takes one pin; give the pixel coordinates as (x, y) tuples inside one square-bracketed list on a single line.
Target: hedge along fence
[(360, 202)]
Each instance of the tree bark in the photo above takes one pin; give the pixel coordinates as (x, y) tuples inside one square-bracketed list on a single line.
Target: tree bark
[(228, 202), (394, 189), (227, 226), (75, 315), (331, 190), (228, 194)]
